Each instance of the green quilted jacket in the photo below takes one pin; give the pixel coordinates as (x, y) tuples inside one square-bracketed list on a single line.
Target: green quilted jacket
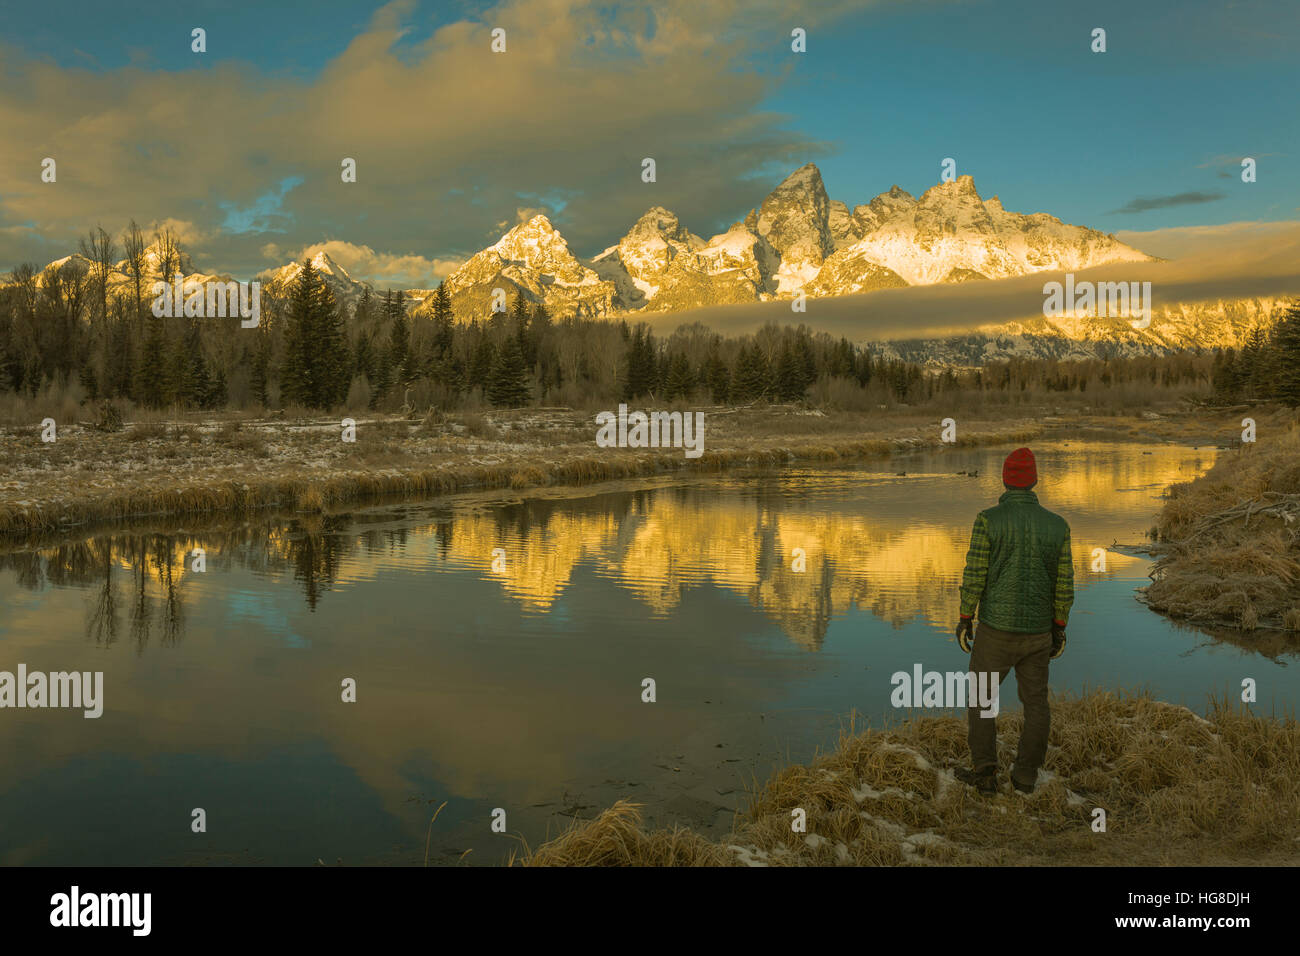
[(1019, 569)]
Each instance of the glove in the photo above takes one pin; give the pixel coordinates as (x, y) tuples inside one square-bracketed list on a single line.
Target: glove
[(1058, 640), (965, 633)]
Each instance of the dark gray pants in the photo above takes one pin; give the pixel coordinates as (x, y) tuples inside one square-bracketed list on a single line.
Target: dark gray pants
[(1000, 651)]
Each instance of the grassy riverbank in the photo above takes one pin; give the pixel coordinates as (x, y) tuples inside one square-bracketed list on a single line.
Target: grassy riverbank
[(1175, 788), (1232, 536), (186, 468)]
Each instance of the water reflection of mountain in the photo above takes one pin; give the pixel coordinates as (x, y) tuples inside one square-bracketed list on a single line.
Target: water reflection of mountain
[(862, 545), (655, 544)]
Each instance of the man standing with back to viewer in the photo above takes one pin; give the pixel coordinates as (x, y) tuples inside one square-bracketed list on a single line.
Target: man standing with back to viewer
[(1020, 575)]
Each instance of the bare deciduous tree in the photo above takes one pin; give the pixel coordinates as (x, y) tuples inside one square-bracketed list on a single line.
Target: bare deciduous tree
[(98, 248), (168, 249), (134, 245)]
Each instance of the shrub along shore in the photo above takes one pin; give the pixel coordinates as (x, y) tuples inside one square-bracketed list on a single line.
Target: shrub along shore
[(1229, 551)]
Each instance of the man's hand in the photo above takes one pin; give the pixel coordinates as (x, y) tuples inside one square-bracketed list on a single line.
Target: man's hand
[(965, 632), (1058, 640)]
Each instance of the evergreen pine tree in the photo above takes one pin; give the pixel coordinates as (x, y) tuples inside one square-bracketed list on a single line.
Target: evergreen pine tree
[(520, 313), (481, 362), (508, 385), (789, 375), (1285, 384), (298, 383), (806, 361), (335, 359), (642, 371), (192, 383), (1223, 375), (750, 381), (718, 377), (399, 339), (317, 364), (679, 381), (217, 395), (120, 368), (443, 321)]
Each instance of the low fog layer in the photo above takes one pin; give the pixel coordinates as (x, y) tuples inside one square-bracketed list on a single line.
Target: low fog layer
[(1260, 267)]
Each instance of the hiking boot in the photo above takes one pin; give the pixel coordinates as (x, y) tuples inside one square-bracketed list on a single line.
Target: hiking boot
[(985, 781), (1022, 787)]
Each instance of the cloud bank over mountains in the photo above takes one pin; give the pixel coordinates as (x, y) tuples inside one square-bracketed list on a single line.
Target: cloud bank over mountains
[(448, 137)]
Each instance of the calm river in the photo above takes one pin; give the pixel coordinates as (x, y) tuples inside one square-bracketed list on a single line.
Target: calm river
[(498, 647)]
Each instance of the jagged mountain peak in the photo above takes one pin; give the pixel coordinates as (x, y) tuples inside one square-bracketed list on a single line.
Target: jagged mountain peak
[(322, 262), (807, 176), (536, 244), (963, 187), (535, 230), (659, 218), (795, 221), (532, 260), (868, 217)]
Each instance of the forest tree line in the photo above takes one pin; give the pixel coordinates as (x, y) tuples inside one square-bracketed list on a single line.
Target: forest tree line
[(314, 352)]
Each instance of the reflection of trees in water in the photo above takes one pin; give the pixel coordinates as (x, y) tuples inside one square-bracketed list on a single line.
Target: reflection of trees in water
[(655, 543), (316, 549), (158, 565), (102, 621), (661, 541), (96, 565)]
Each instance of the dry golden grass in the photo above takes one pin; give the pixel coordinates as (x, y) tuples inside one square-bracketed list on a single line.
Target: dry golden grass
[(1176, 789), (225, 464), (616, 838), (1233, 539), (189, 470)]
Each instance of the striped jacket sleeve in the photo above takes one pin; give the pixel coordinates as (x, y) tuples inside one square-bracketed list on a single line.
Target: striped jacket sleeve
[(1064, 597), (977, 567)]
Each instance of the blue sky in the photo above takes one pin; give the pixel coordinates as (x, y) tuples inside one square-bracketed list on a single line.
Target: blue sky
[(1009, 89)]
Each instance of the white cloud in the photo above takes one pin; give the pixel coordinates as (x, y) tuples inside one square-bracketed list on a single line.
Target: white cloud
[(381, 268), (1177, 242), (448, 136)]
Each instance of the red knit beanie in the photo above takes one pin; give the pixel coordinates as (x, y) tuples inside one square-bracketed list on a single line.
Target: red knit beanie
[(1019, 470)]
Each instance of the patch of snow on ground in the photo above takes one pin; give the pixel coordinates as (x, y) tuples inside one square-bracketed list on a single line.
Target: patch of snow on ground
[(889, 826), (946, 781), (910, 846), (870, 792), (921, 762), (750, 855)]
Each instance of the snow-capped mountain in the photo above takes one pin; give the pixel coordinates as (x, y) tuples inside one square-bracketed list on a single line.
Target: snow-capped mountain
[(346, 289), (1225, 323), (951, 235), (638, 263), (799, 241), (795, 221), (158, 262), (532, 259), (662, 267), (796, 240)]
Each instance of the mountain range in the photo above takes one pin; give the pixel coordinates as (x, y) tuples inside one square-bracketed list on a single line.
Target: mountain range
[(798, 241)]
